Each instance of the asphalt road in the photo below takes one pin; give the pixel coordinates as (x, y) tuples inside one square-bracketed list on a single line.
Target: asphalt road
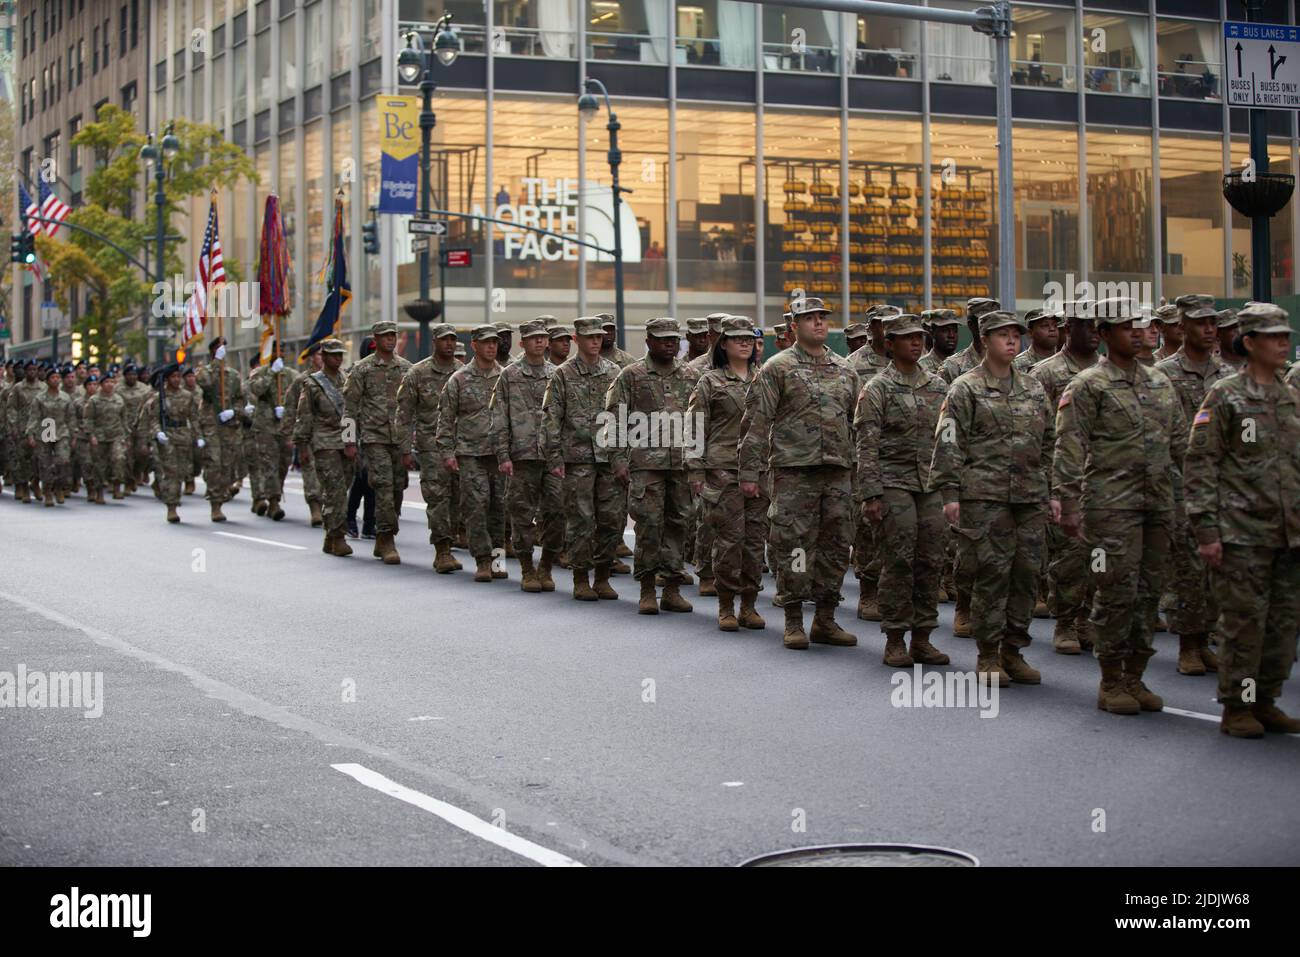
[(266, 704)]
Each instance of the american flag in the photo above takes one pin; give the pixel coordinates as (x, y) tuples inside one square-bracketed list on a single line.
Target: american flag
[(209, 273), (52, 208), (30, 209)]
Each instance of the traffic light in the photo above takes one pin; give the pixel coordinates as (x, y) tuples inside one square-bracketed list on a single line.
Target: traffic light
[(370, 237), (22, 248), (29, 248), (16, 247)]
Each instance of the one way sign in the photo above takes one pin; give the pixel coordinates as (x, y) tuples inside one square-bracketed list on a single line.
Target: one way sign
[(1262, 63)]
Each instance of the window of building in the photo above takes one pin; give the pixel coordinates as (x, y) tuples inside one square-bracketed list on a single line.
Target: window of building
[(547, 28), (121, 31), (262, 71), (1282, 255), (94, 51), (469, 21), (800, 39), (635, 30), (219, 102), (1119, 204), (341, 56), (319, 211), (1046, 174), (74, 151), (372, 28), (129, 96), (1044, 48), (135, 23), (239, 96), (887, 46), (1191, 214), (104, 36), (72, 69), (958, 54), (314, 24), (716, 236), (715, 33), (963, 212), (288, 57), (1115, 53), (81, 59), (1189, 59)]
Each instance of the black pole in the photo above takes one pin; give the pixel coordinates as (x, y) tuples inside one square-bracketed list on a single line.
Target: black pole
[(160, 201), (615, 158), (427, 121), (1261, 254)]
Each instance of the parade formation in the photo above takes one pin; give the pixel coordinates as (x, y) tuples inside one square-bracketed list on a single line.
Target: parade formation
[(1028, 475)]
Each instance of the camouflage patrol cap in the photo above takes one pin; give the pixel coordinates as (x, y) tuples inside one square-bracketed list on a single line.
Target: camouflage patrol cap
[(664, 327), (560, 331), (1033, 315), (1263, 318), (856, 330), (588, 326), (533, 327), (503, 328), (460, 348), (940, 317), (807, 307), (485, 332), (779, 328), (904, 324), (739, 326), (997, 319), (547, 320), (697, 326), (606, 320), (332, 346), (442, 329), (1117, 311), (383, 327), (1194, 300), (1227, 318), (1168, 314), (716, 319), (880, 310), (978, 306)]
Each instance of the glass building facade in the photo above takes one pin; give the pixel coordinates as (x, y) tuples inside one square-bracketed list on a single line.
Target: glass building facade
[(767, 148)]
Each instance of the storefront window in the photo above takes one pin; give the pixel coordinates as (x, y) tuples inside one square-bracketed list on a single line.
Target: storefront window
[(715, 33), (1115, 53), (1046, 172), (1191, 214), (801, 169), (963, 196), (715, 201), (545, 28), (887, 46), (958, 54), (1282, 253), (319, 213), (1044, 48), (1119, 206), (799, 39), (634, 30), (1189, 58), (885, 213)]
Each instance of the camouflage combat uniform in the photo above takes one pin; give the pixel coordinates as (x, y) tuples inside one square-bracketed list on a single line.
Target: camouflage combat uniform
[(1029, 359), (180, 423), (371, 395), (310, 484), (107, 422), (866, 546), (959, 363), (49, 422), (271, 452), (535, 497), (83, 451), (24, 467), (319, 427), (417, 421), (222, 438), (465, 432), (137, 443)]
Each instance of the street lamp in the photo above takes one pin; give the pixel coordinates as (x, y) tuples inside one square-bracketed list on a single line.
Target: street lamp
[(414, 64), (156, 158), (589, 107)]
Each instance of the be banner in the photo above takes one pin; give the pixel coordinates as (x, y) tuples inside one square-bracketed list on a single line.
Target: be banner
[(399, 130)]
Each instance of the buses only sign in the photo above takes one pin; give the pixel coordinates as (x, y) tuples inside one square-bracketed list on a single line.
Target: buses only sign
[(1262, 63)]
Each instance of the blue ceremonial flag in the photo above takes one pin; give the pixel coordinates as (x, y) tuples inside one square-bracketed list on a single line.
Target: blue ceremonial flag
[(335, 274)]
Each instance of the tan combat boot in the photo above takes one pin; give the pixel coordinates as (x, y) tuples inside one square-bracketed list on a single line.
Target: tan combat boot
[(896, 655), (443, 563), (49, 498), (825, 631), (562, 561), (386, 549), (274, 510), (1041, 609), (601, 585), (794, 637), (172, 515), (727, 611), (1112, 695), (1189, 655), (582, 590), (528, 575), (544, 570), (58, 496), (90, 494), (923, 652), (1274, 719), (1016, 667), (1239, 721), (987, 661), (961, 617), (749, 616), (1148, 700), (708, 586), (622, 551), (687, 578), (649, 601), (340, 546), (317, 520), (1064, 640), (327, 546), (868, 605), (1208, 657), (510, 550), (482, 569), (189, 487), (500, 571), (618, 567), (259, 506), (672, 600), (217, 514), (117, 491)]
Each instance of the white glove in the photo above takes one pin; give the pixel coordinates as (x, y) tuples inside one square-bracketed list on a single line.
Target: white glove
[(277, 365), (249, 409), (220, 353), (201, 443), (279, 412), (161, 437), (225, 415)]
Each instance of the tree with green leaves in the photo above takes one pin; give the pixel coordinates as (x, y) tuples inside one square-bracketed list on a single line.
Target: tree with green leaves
[(112, 193)]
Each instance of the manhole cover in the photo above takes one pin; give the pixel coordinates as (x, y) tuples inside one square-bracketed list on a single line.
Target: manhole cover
[(865, 855)]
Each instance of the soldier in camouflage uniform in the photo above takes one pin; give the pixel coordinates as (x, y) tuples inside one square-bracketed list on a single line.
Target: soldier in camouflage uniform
[(222, 393), (894, 424), (310, 484), (699, 360), (322, 431), (1043, 331), (1169, 319), (992, 458), (856, 335), (943, 327), (6, 453), (109, 431), (465, 444), (133, 393), (964, 561), (1119, 447), (798, 426), (649, 433), (736, 524), (1226, 328), (270, 388), (611, 351), (1243, 501), (1192, 370), (72, 475), (418, 399), (561, 343), (81, 439), (173, 432), (21, 396), (371, 394), (49, 431), (535, 497), (578, 453), (190, 383)]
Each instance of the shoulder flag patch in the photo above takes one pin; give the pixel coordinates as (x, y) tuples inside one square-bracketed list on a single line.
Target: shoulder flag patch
[(1066, 399), (1202, 417)]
